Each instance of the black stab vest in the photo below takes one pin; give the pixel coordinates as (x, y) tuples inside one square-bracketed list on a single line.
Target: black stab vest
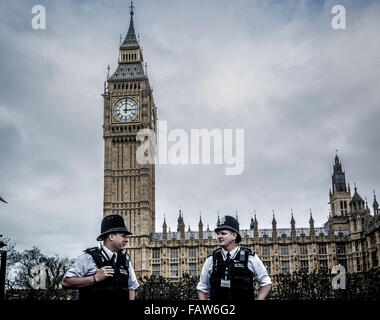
[(240, 277), (115, 287)]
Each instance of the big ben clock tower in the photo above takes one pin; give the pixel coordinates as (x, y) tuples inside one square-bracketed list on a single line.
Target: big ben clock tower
[(129, 187)]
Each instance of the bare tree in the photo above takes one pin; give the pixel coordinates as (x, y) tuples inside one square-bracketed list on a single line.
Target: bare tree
[(20, 282)]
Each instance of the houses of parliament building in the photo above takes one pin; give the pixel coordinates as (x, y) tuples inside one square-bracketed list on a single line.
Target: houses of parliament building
[(350, 237)]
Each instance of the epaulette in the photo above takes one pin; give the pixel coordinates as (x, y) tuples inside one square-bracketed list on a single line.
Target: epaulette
[(215, 251), (243, 252), (93, 249)]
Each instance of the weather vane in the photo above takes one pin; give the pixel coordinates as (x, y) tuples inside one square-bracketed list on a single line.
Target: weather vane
[(131, 8)]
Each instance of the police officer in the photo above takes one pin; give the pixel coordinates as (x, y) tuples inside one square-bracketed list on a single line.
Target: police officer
[(105, 272), (229, 272)]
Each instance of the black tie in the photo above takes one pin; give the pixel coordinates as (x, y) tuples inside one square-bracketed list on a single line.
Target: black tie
[(113, 261), (227, 270)]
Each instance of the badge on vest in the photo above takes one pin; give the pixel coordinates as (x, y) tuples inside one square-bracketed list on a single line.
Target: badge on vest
[(225, 283), (123, 271), (238, 265)]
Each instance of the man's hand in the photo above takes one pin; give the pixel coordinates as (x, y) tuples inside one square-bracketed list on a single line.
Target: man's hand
[(81, 282), (104, 273)]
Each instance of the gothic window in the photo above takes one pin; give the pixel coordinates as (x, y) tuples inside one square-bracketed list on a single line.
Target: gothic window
[(174, 270), (303, 249), (156, 253), (156, 269), (358, 266), (323, 266), (192, 252), (341, 248), (304, 266), (322, 249), (284, 250), (356, 245), (174, 253), (192, 269), (375, 261), (266, 251), (373, 239), (285, 267)]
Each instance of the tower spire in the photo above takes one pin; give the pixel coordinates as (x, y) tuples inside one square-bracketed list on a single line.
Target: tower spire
[(130, 39), (274, 227), (311, 223), (375, 204), (339, 176), (200, 227)]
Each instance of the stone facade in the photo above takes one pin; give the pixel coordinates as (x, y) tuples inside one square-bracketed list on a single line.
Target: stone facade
[(350, 236)]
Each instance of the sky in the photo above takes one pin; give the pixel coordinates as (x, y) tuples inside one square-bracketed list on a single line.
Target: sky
[(298, 88)]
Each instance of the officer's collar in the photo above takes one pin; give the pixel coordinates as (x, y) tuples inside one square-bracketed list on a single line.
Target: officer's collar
[(232, 252), (108, 252)]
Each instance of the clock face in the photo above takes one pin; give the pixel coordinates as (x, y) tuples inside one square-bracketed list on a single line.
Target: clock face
[(125, 110)]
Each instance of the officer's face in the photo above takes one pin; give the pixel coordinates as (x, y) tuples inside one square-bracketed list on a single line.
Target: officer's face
[(118, 240), (226, 238)]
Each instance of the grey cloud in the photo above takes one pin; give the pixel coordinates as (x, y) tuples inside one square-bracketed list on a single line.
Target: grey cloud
[(277, 69)]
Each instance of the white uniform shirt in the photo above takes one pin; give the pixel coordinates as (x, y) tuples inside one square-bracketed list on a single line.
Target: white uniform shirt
[(85, 265), (255, 265)]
